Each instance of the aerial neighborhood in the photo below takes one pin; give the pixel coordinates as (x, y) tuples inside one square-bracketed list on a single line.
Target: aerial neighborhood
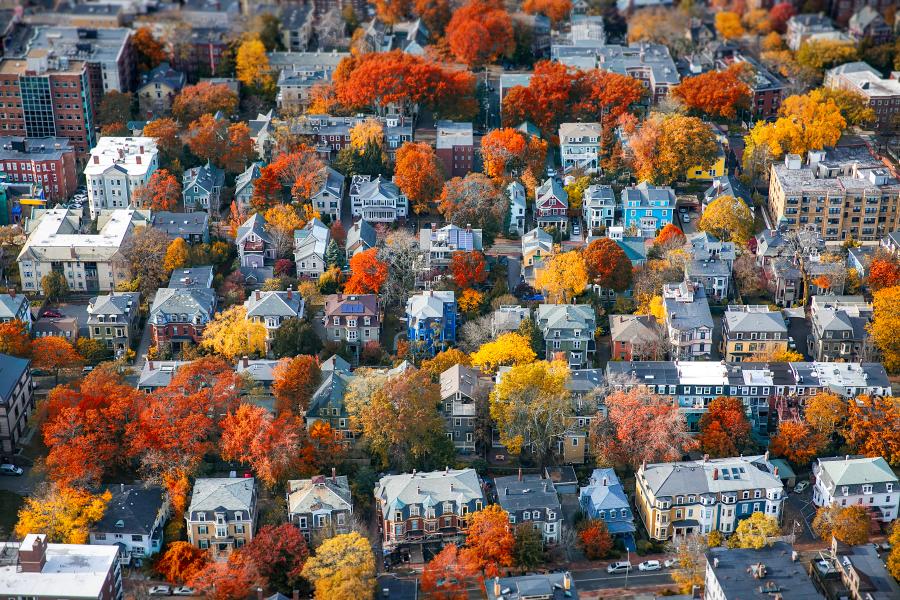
[(450, 299)]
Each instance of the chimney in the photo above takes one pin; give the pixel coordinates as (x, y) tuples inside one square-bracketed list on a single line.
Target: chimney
[(295, 595), (290, 293), (96, 160), (520, 473), (846, 457), (605, 482), (12, 292), (150, 365), (468, 227), (122, 487), (706, 458), (506, 491), (258, 295), (715, 563), (766, 455), (497, 587), (246, 361), (715, 474), (33, 553), (333, 475), (137, 159), (567, 581), (259, 593)]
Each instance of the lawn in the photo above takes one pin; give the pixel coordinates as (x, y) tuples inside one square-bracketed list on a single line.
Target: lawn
[(10, 503)]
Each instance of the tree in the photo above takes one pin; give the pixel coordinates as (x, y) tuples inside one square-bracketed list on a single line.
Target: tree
[(885, 326), (825, 413), (228, 146), (401, 254), (270, 446), (294, 380), (295, 336), (657, 25), (528, 551), (893, 560), (418, 174), (724, 428), (508, 151), (749, 276), (445, 360), (14, 339), (227, 580), (435, 14), (824, 54), (161, 192), (167, 134), (509, 349), (92, 351), (448, 575), (204, 98), (555, 10), (343, 567), (779, 16), (689, 569), (181, 562), (115, 107), (468, 268), (563, 276), (715, 93), (368, 273), (252, 65), (54, 353), (54, 286), (595, 539), (282, 221), (848, 524), (884, 272), (63, 514), (640, 426), (666, 146), (176, 255), (489, 541), (393, 11), (232, 334), (669, 236), (754, 532), (870, 427), (796, 442), (145, 253), (474, 200), (367, 133), (777, 356), (334, 255), (278, 553), (470, 300), (150, 51), (607, 264), (531, 403), (729, 219), (480, 32), (772, 42), (728, 25), (853, 105)]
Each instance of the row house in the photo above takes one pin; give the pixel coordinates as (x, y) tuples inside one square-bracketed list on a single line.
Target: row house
[(455, 147), (201, 188), (330, 195), (770, 571), (531, 501), (180, 312), (320, 506), (463, 398), (431, 318), (439, 244), (801, 28), (114, 320), (116, 169), (551, 206), (517, 205), (750, 330), (16, 401), (417, 508), (579, 146), (222, 515), (598, 207), (360, 237), (857, 481), (568, 329), (254, 244), (698, 497), (352, 319), (604, 499), (272, 309), (244, 183), (377, 200), (310, 244), (839, 328), (133, 521), (688, 320), (331, 134), (327, 402), (48, 162), (868, 24)]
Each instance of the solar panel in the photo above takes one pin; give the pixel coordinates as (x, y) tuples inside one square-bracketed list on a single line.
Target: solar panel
[(353, 308)]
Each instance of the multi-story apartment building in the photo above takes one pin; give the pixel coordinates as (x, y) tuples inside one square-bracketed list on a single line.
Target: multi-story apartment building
[(736, 573), (696, 497), (857, 481), (417, 508), (16, 401), (647, 208), (867, 23), (272, 309), (117, 167), (438, 245), (48, 162), (839, 328), (531, 501), (599, 207), (463, 394), (377, 200), (320, 506), (688, 320), (842, 194), (222, 514), (354, 319), (89, 262), (579, 146), (43, 571), (749, 330), (113, 319), (199, 52), (455, 147), (883, 95), (568, 329), (332, 134), (133, 521)]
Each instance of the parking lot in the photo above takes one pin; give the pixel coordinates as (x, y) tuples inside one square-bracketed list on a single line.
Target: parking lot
[(799, 512)]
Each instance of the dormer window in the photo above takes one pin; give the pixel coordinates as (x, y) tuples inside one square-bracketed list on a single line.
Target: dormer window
[(845, 490), (201, 517), (867, 488)]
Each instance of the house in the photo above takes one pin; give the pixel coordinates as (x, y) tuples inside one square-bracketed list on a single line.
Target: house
[(862, 573), (454, 147), (636, 337), (360, 237), (605, 499), (262, 132), (320, 505), (508, 318), (711, 494), (272, 309), (158, 89), (517, 203), (839, 328), (114, 319), (193, 227), (310, 244), (750, 331), (377, 200), (647, 208), (537, 245), (91, 262), (243, 185), (582, 386), (331, 133), (785, 280), (739, 573), (688, 320), (867, 23), (551, 206), (855, 481), (48, 571), (568, 329), (438, 245), (296, 88), (773, 244), (222, 514), (598, 207), (579, 146), (254, 244), (157, 374), (116, 168), (133, 521), (563, 477), (180, 312), (534, 30), (881, 94), (16, 401), (801, 28), (417, 508), (64, 327), (201, 188), (710, 264), (14, 307), (531, 501), (327, 402), (546, 586), (431, 318), (463, 396), (712, 171), (354, 319), (329, 197), (409, 36), (296, 25), (860, 258)]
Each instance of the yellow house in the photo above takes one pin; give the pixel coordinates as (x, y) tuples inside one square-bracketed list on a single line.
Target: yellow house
[(752, 330), (717, 169)]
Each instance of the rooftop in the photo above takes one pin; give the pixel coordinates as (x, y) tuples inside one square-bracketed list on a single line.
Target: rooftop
[(69, 567), (760, 574)]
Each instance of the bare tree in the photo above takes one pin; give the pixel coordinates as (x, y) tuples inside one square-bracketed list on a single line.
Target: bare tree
[(400, 252), (474, 333), (748, 274)]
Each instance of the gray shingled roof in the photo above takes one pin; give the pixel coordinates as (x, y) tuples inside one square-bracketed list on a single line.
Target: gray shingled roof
[(11, 370), (230, 493), (531, 492), (429, 489)]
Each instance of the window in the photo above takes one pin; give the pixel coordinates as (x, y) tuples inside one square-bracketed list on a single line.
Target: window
[(100, 536), (239, 529), (526, 515), (137, 538), (202, 530), (201, 517), (204, 544), (238, 516), (867, 488)]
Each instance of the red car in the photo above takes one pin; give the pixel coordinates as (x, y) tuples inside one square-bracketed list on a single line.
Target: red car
[(52, 314)]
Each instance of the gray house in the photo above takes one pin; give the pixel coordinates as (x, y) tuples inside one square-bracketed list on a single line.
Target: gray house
[(193, 228), (243, 185), (785, 281), (328, 199), (568, 328), (327, 402), (254, 244), (688, 321), (320, 505), (113, 319), (15, 307), (508, 318), (710, 265), (839, 329), (201, 188), (531, 500), (360, 237), (16, 400), (272, 308), (134, 521), (749, 329), (462, 390)]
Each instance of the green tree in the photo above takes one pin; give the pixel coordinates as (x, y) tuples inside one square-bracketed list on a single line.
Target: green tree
[(54, 286), (334, 255), (295, 337), (528, 551), (93, 351), (116, 107)]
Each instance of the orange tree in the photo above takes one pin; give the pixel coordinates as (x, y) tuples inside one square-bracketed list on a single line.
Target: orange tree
[(180, 562), (871, 427), (468, 268), (715, 93), (55, 354), (480, 32), (162, 192), (608, 265), (595, 539), (489, 541), (201, 99), (294, 381), (418, 174), (368, 273), (796, 441), (724, 428), (448, 575), (884, 272), (14, 339)]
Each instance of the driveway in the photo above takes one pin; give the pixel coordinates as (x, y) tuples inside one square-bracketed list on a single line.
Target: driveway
[(799, 512), (76, 310), (513, 272)]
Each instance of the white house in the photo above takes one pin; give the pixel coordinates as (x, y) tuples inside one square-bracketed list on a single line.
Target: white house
[(377, 200), (516, 193), (133, 520), (579, 146), (327, 200), (857, 481), (310, 244), (116, 167), (598, 207)]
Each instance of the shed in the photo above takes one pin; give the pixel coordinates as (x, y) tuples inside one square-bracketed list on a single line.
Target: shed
[(785, 472)]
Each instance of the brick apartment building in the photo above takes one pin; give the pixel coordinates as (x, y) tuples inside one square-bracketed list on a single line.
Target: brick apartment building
[(455, 147), (49, 162)]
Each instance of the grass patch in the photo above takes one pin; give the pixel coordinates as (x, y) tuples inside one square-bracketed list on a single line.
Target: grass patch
[(10, 503)]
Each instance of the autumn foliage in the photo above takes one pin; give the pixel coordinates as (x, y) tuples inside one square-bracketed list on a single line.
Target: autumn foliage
[(724, 428), (181, 562), (595, 539), (871, 427), (796, 441), (418, 174), (507, 151), (201, 99), (278, 553), (848, 524), (14, 339), (226, 145), (490, 541), (715, 93), (162, 192), (294, 381), (884, 272), (468, 268), (269, 445), (480, 32), (608, 265), (448, 574), (670, 235), (63, 514), (555, 10), (511, 348), (666, 146), (368, 273)]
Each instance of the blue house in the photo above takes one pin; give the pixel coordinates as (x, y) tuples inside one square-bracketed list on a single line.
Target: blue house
[(648, 208), (604, 498), (431, 318)]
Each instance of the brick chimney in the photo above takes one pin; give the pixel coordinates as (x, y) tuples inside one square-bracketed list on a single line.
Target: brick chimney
[(333, 475), (137, 159), (150, 365), (715, 474), (258, 295), (290, 293), (246, 361), (33, 553), (96, 160), (12, 292)]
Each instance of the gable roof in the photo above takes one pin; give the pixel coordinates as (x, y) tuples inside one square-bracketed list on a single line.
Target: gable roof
[(10, 306), (274, 304), (319, 493), (207, 178), (189, 301), (459, 379), (856, 470), (631, 328), (312, 240), (256, 224), (229, 493), (245, 180), (429, 305), (361, 234)]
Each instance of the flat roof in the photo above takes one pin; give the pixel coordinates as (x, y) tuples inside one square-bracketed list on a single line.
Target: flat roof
[(71, 571)]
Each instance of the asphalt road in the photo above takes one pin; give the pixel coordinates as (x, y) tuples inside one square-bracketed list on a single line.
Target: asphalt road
[(599, 579)]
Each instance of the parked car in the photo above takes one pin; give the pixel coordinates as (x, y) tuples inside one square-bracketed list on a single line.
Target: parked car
[(801, 486), (649, 565), (160, 590), (8, 469), (576, 229), (183, 591), (670, 562), (619, 567), (53, 314)]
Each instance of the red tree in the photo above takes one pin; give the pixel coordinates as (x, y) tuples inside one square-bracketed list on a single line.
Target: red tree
[(796, 442), (368, 273), (608, 265), (181, 562), (226, 145), (595, 539), (884, 272), (294, 381), (14, 339), (468, 268), (228, 580), (448, 575), (202, 99), (419, 174), (670, 234), (555, 10), (490, 541), (779, 16), (270, 446), (278, 553), (724, 414), (715, 93), (480, 32), (162, 192)]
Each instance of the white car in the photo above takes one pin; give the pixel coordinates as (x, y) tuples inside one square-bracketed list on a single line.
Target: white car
[(183, 591), (619, 567), (8, 469), (160, 590), (801, 486), (670, 562), (649, 565)]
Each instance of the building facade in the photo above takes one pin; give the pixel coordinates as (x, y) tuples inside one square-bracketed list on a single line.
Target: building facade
[(857, 481), (455, 147), (531, 501), (354, 319), (568, 329), (222, 515), (752, 330), (133, 521), (114, 320), (320, 506), (16, 401), (48, 162), (579, 146), (116, 168)]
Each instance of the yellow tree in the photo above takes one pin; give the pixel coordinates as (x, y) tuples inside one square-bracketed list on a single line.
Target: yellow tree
[(824, 54), (342, 567), (176, 254), (689, 569), (562, 277), (728, 25), (729, 219), (754, 531), (64, 514), (825, 413), (893, 560), (444, 360), (854, 106), (232, 335), (885, 326), (508, 349), (365, 133), (281, 222), (252, 65), (777, 356), (849, 524)]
